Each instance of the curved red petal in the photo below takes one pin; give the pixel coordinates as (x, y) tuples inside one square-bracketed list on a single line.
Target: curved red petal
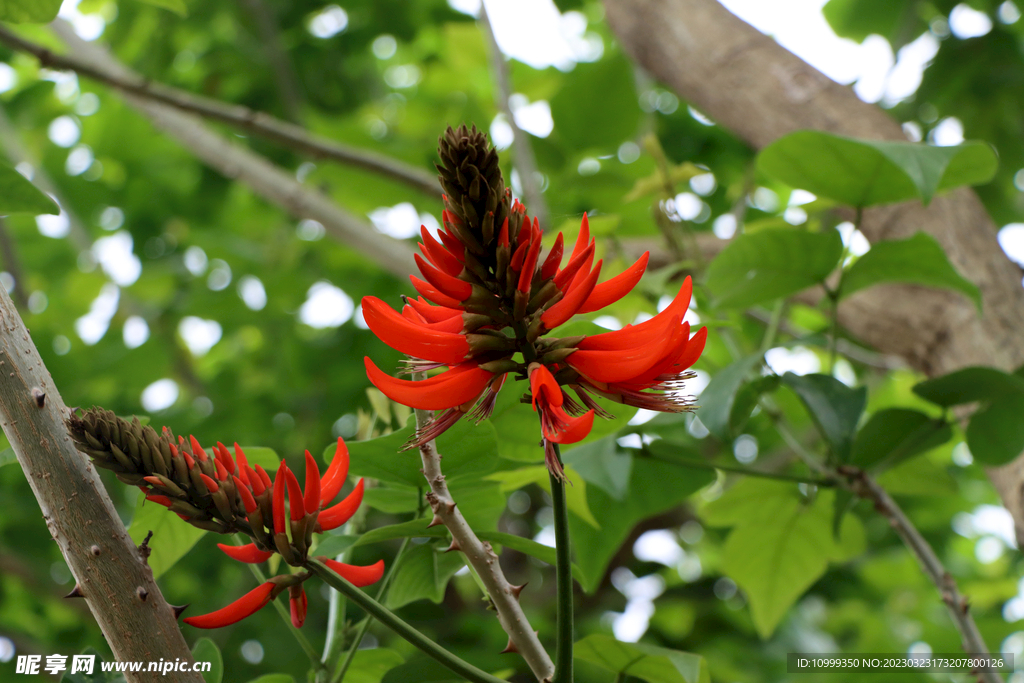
[(576, 428), (410, 338), (571, 302), (554, 259), (278, 500), (432, 294), (519, 255), (197, 450), (210, 483), (311, 498), (503, 234), (583, 239), (612, 290), (460, 290), (264, 477), (297, 607), (438, 255), (336, 515), (431, 313), (673, 348), (247, 553), (159, 500), (449, 389), (543, 386), (565, 276), (243, 464), (222, 454), (357, 576), (529, 266), (247, 500), (636, 335), (454, 245), (245, 606), (620, 365), (337, 472), (295, 504)]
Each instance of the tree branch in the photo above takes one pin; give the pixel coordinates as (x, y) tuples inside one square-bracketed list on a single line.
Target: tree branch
[(484, 560), (524, 162), (241, 164), (137, 622), (91, 64)]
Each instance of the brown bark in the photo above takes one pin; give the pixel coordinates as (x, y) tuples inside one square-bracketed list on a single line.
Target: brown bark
[(116, 582), (760, 91)]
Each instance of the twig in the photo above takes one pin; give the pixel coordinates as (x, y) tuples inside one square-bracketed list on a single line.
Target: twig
[(525, 162), (284, 72), (79, 513), (236, 162), (484, 560), (956, 603), (259, 123), (396, 624)]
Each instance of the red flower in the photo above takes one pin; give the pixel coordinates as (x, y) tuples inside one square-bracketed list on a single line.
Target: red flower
[(490, 301)]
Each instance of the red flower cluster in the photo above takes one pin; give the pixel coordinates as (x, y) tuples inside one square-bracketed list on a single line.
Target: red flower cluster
[(489, 302), (306, 512)]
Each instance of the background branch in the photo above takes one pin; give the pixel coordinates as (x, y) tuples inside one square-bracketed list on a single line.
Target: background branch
[(92, 61), (238, 163), (137, 622), (285, 78)]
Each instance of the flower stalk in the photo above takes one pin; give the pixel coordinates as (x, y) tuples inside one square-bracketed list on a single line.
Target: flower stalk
[(563, 579)]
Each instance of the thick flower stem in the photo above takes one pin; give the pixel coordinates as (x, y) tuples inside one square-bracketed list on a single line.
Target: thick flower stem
[(563, 579), (396, 624)]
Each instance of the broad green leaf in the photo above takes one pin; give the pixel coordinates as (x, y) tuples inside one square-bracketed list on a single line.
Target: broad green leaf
[(98, 675), (28, 12), (423, 572), (770, 264), (918, 477), (276, 678), (857, 19), (968, 385), (996, 432), (648, 662), (575, 494), (747, 398), (370, 666), (719, 396), (177, 6), (172, 536), (895, 434), (17, 194), (776, 553), (834, 407), (417, 528), (917, 260), (266, 458), (602, 464), (392, 500), (867, 172), (597, 107), (468, 449), (205, 650), (332, 545), (654, 488)]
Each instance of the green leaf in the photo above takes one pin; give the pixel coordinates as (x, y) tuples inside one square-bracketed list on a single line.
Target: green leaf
[(895, 434), (654, 488), (834, 407), (267, 458), (719, 396), (597, 106), (172, 536), (602, 464), (996, 432), (544, 553), (333, 545), (468, 450), (423, 573), (205, 650), (177, 6), (649, 662), (275, 678), (28, 12), (782, 546), (917, 260), (746, 399), (18, 195), (857, 19), (369, 666), (575, 495), (392, 500), (417, 528), (7, 456), (968, 385), (866, 172), (771, 264), (918, 477)]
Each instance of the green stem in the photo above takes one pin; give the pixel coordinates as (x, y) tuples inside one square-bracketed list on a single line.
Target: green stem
[(396, 624), (701, 464), (563, 580), (285, 616), (834, 296), (365, 625), (773, 326)]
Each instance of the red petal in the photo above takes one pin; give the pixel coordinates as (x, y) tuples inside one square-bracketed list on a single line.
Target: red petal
[(577, 429), (311, 500), (357, 576), (635, 335), (247, 500), (583, 239), (503, 235), (571, 302), (449, 389), (243, 464), (337, 472), (432, 294), (543, 386), (433, 314), (614, 289), (222, 472), (692, 352), (529, 265), (460, 290), (247, 553), (197, 450), (255, 481), (438, 255), (160, 500), (620, 365), (279, 487), (410, 338), (264, 477), (565, 276), (210, 483), (455, 246), (224, 456), (248, 604), (519, 256), (554, 259), (336, 515), (298, 510), (298, 609)]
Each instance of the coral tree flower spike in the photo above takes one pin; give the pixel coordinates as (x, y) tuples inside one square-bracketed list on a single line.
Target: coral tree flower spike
[(245, 606)]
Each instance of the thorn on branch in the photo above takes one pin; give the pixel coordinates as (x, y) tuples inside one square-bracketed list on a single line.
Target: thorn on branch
[(142, 593), (454, 546), (95, 550), (510, 648), (39, 396), (76, 592), (178, 609), (516, 590)]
